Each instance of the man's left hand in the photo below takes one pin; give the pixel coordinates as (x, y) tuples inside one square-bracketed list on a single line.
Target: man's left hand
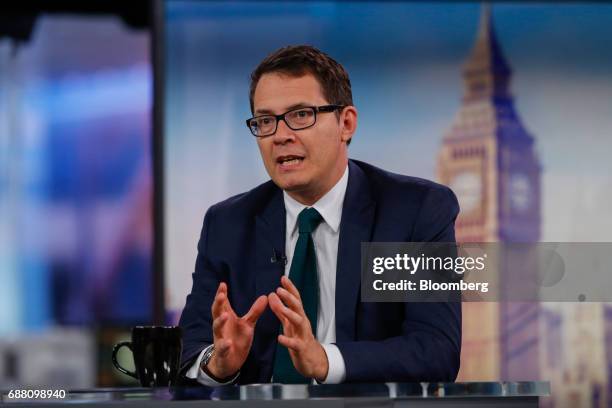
[(307, 354)]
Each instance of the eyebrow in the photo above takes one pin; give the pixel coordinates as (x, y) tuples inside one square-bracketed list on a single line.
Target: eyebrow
[(294, 106)]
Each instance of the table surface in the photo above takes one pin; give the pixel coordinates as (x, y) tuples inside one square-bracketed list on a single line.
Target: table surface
[(302, 391)]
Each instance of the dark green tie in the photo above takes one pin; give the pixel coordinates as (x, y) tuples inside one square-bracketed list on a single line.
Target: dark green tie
[(303, 274)]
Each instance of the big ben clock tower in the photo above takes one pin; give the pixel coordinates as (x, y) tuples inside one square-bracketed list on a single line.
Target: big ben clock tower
[(488, 159)]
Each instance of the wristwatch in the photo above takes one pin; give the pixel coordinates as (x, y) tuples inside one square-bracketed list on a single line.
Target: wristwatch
[(207, 355), (204, 366)]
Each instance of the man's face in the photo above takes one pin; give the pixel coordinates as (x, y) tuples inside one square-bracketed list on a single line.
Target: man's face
[(306, 163)]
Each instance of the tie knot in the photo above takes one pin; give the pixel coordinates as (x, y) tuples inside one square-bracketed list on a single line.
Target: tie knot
[(308, 220)]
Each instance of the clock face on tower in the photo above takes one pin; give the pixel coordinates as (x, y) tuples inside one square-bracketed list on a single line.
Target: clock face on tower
[(467, 185), (520, 192)]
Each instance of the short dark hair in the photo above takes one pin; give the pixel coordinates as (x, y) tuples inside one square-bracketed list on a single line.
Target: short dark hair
[(298, 60)]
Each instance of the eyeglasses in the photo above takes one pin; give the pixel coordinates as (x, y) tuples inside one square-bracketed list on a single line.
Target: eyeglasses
[(296, 119)]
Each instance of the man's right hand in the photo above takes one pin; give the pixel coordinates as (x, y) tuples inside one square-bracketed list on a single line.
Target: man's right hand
[(233, 335)]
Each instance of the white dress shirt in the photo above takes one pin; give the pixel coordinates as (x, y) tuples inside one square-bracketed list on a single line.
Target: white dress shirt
[(325, 237)]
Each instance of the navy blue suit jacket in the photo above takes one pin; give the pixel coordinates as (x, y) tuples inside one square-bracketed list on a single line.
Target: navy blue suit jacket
[(379, 341)]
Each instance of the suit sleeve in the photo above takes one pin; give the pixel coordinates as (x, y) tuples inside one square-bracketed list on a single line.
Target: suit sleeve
[(196, 319), (429, 346)]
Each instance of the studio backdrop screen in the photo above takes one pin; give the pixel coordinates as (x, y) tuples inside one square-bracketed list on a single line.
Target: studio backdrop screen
[(75, 175), (407, 63)]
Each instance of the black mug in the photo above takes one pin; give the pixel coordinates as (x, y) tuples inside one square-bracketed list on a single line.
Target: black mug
[(157, 355)]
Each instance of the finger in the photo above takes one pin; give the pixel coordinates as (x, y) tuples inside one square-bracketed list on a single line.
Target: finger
[(282, 311), (256, 310), (287, 284), (290, 342), (218, 324), (223, 287), (275, 304), (294, 318), (218, 306), (290, 300), (225, 305)]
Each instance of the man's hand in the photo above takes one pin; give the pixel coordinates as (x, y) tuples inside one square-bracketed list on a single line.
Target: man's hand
[(307, 354), (233, 335)]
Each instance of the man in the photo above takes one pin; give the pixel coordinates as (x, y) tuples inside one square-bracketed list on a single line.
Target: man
[(276, 288)]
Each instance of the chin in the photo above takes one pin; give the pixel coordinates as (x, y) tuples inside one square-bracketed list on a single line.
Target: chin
[(291, 184), (290, 187)]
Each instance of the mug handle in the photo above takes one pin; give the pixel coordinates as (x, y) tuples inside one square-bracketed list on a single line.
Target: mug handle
[(127, 344)]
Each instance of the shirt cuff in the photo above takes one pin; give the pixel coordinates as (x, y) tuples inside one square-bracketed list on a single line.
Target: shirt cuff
[(196, 373), (336, 371)]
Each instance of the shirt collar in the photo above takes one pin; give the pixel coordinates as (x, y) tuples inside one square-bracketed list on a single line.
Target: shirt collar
[(329, 206)]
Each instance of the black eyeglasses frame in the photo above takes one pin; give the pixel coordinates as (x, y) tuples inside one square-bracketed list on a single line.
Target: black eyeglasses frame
[(316, 109)]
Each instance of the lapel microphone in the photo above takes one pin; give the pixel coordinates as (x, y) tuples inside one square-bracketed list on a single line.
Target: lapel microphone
[(278, 257)]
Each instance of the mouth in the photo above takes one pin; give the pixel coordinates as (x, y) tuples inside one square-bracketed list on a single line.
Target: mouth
[(289, 162)]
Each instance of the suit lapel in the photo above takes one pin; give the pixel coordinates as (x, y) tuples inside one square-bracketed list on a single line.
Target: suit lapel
[(269, 240), (355, 227)]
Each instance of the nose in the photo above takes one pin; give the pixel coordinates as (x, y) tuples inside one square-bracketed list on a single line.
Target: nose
[(283, 134)]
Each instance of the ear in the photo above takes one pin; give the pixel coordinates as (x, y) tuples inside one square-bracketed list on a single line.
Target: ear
[(348, 123)]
